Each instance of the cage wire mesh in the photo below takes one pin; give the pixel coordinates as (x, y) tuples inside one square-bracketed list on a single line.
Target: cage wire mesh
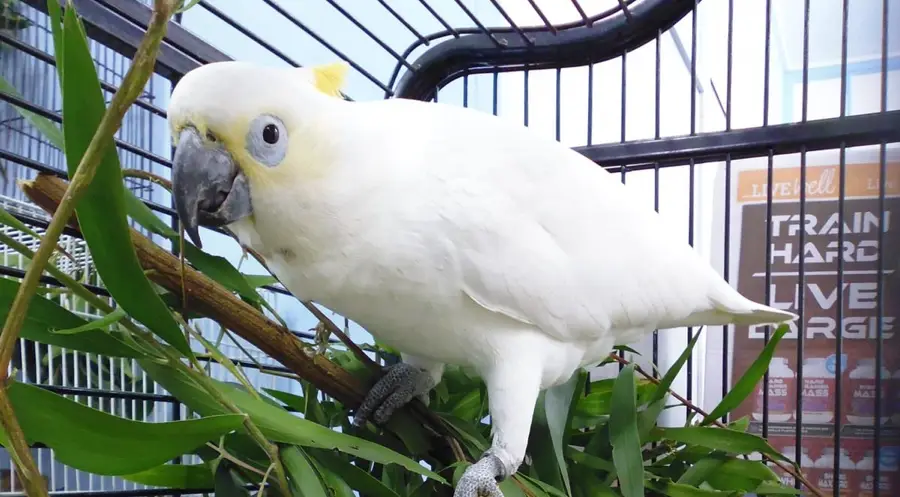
[(767, 130)]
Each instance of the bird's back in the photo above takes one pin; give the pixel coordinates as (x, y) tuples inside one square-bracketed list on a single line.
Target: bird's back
[(547, 237)]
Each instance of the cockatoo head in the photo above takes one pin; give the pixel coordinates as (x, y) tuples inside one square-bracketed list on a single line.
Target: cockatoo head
[(239, 126)]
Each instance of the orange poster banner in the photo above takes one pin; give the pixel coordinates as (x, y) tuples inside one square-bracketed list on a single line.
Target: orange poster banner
[(844, 285)]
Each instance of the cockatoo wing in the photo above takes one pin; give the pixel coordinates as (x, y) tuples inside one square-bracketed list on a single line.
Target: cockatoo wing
[(548, 238)]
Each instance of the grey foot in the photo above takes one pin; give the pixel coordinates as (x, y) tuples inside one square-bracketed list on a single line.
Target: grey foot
[(480, 479), (394, 390)]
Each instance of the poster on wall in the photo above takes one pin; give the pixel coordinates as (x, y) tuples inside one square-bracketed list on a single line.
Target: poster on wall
[(805, 273)]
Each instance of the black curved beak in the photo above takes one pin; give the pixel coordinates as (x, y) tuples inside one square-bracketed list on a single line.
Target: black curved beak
[(208, 187)]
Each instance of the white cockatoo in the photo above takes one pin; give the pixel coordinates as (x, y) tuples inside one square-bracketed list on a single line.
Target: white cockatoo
[(452, 235)]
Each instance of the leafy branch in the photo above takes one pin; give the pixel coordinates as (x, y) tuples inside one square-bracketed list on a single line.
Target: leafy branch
[(135, 79), (732, 400)]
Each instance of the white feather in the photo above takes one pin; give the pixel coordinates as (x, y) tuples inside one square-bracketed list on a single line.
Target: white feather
[(438, 203)]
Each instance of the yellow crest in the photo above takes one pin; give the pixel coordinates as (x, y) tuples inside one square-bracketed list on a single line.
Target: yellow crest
[(330, 78)]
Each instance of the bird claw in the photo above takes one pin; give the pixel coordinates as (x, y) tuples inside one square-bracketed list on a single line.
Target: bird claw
[(394, 390), (480, 479)]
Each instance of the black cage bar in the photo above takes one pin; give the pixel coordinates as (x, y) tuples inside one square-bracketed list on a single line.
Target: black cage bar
[(797, 209)]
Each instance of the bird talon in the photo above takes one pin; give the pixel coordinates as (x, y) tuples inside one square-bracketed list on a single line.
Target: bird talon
[(395, 389), (480, 479)]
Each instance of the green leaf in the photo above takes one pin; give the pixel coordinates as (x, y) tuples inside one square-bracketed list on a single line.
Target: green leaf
[(468, 435), (741, 424), (697, 473), (589, 460), (295, 402), (678, 490), (181, 476), (11, 221), (187, 5), (625, 348), (45, 315), (304, 479), (228, 482), (747, 384), (276, 423), (219, 269), (750, 469), (97, 324), (510, 488), (588, 483), (258, 280), (93, 441), (767, 488), (55, 13), (740, 475), (469, 406), (723, 439), (624, 435), (558, 413), (649, 417), (358, 479), (598, 402), (140, 213), (537, 487), (101, 211)]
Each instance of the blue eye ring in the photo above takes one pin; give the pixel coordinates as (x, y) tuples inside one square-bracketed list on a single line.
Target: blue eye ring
[(267, 140)]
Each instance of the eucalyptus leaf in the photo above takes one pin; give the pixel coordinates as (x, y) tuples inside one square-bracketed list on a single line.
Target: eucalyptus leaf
[(537, 487), (228, 482), (747, 384), (45, 315), (305, 481), (140, 213), (752, 469), (358, 479), (97, 324), (598, 401), (766, 488), (179, 476), (558, 402), (258, 280), (101, 210), (589, 460), (679, 490), (469, 406), (94, 441), (698, 473), (624, 436), (650, 416), (296, 402), (723, 439), (276, 423)]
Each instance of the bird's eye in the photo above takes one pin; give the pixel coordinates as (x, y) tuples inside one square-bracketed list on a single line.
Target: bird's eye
[(210, 137), (270, 134), (265, 140)]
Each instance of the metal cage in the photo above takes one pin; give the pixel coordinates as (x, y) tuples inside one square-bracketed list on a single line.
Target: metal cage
[(767, 129)]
